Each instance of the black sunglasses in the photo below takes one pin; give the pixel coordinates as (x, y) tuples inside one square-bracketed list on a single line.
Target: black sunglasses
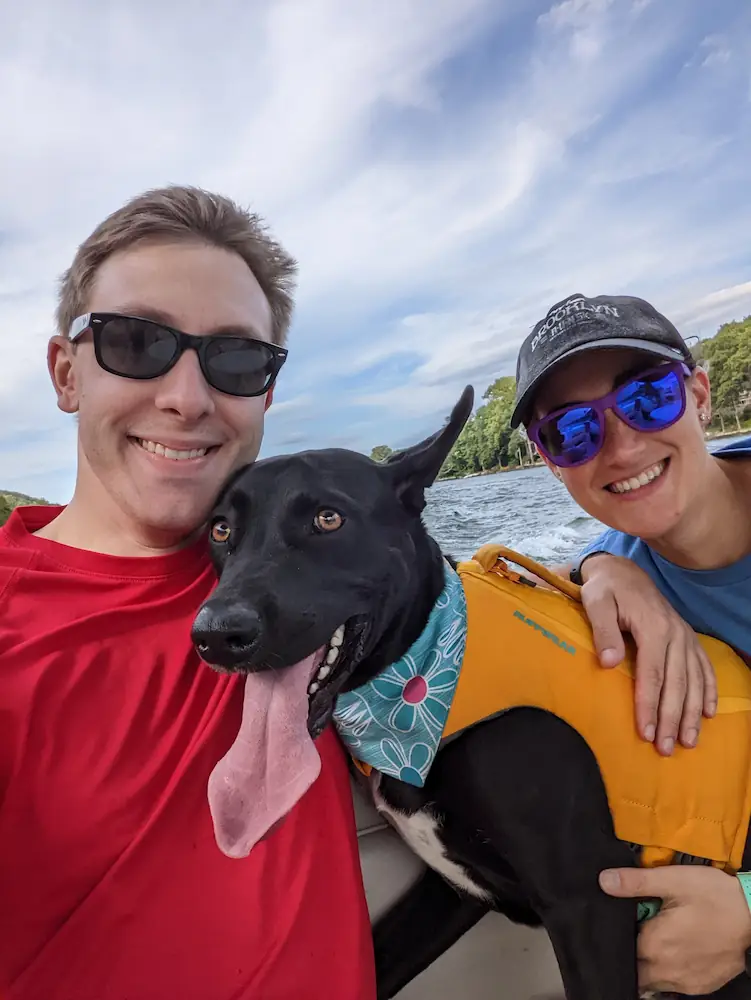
[(141, 348)]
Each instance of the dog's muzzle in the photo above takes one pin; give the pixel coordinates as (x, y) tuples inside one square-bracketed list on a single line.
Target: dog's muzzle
[(226, 636)]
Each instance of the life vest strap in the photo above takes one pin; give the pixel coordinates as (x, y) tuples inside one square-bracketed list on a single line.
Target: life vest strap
[(491, 557)]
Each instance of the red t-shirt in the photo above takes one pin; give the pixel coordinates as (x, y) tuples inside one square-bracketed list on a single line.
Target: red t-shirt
[(111, 884)]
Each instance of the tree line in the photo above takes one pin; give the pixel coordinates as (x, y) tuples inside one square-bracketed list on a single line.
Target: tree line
[(727, 357), (488, 444)]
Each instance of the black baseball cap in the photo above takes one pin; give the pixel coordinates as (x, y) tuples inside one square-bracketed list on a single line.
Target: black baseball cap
[(578, 324)]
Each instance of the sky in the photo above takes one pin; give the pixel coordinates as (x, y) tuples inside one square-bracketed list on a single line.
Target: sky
[(443, 170)]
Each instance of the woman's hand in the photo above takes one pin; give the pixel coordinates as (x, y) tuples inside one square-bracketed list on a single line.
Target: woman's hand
[(698, 940), (675, 682)]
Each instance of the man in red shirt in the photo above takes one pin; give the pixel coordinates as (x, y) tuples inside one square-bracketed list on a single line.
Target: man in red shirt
[(112, 886)]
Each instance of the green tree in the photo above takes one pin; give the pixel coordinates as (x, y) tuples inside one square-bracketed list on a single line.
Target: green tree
[(517, 443), (486, 441), (500, 395), (729, 357), (381, 452), (9, 501), (504, 390), (5, 509), (463, 457)]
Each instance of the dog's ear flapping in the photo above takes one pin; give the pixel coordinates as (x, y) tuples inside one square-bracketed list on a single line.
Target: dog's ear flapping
[(416, 468)]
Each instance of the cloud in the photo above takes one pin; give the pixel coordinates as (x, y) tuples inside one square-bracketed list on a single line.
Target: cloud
[(707, 312), (444, 170), (719, 50), (584, 21)]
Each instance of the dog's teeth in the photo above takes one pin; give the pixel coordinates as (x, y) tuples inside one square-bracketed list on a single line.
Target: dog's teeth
[(323, 672), (332, 655), (313, 688), (338, 637)]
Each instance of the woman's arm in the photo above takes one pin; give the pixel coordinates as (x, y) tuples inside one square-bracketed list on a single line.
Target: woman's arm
[(675, 682)]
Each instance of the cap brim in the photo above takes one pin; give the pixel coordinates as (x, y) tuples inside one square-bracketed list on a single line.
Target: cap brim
[(632, 343)]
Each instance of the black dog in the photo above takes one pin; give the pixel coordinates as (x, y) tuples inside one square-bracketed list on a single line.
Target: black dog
[(308, 543)]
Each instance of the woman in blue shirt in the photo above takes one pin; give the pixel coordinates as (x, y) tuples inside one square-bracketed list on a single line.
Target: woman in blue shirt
[(609, 392)]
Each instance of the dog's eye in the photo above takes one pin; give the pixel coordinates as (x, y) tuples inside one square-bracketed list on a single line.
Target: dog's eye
[(328, 520), (220, 532)]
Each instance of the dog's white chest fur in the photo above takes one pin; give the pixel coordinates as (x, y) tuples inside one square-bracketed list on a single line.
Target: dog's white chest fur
[(420, 832)]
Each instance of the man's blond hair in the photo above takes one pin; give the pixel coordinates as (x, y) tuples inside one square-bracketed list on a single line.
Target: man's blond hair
[(183, 214)]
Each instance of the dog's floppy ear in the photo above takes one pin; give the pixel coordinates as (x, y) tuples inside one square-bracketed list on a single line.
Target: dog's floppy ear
[(415, 469)]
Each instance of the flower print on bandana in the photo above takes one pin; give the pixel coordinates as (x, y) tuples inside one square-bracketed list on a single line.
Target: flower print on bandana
[(395, 722), (354, 717), (409, 769), (419, 696)]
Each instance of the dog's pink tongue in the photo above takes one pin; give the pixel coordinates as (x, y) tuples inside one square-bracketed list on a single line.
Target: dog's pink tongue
[(271, 764)]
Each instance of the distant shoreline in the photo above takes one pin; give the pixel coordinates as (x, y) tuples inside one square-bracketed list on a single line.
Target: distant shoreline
[(492, 472), (729, 434)]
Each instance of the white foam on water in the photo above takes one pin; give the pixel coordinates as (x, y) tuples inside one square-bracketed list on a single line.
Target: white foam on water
[(529, 511), (560, 544)]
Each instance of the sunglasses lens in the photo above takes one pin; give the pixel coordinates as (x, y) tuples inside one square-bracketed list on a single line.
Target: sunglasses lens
[(572, 437), (652, 403), (136, 348), (239, 367)]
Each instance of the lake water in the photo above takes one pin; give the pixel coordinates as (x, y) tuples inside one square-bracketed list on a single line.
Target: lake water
[(528, 510)]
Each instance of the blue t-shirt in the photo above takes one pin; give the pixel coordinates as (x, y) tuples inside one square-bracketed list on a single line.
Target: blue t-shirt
[(716, 602)]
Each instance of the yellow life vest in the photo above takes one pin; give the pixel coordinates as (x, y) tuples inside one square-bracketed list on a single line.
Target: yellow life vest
[(530, 646)]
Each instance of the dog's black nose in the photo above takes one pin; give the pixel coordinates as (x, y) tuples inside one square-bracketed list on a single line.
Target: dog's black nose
[(226, 636)]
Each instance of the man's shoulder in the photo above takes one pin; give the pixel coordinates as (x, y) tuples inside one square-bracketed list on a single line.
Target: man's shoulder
[(17, 549), (46, 586), (13, 556)]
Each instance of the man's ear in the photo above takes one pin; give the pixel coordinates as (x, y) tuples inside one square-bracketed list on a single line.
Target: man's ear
[(269, 399), (415, 469), (60, 354)]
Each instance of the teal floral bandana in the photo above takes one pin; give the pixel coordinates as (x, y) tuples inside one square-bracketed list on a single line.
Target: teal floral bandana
[(395, 722)]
